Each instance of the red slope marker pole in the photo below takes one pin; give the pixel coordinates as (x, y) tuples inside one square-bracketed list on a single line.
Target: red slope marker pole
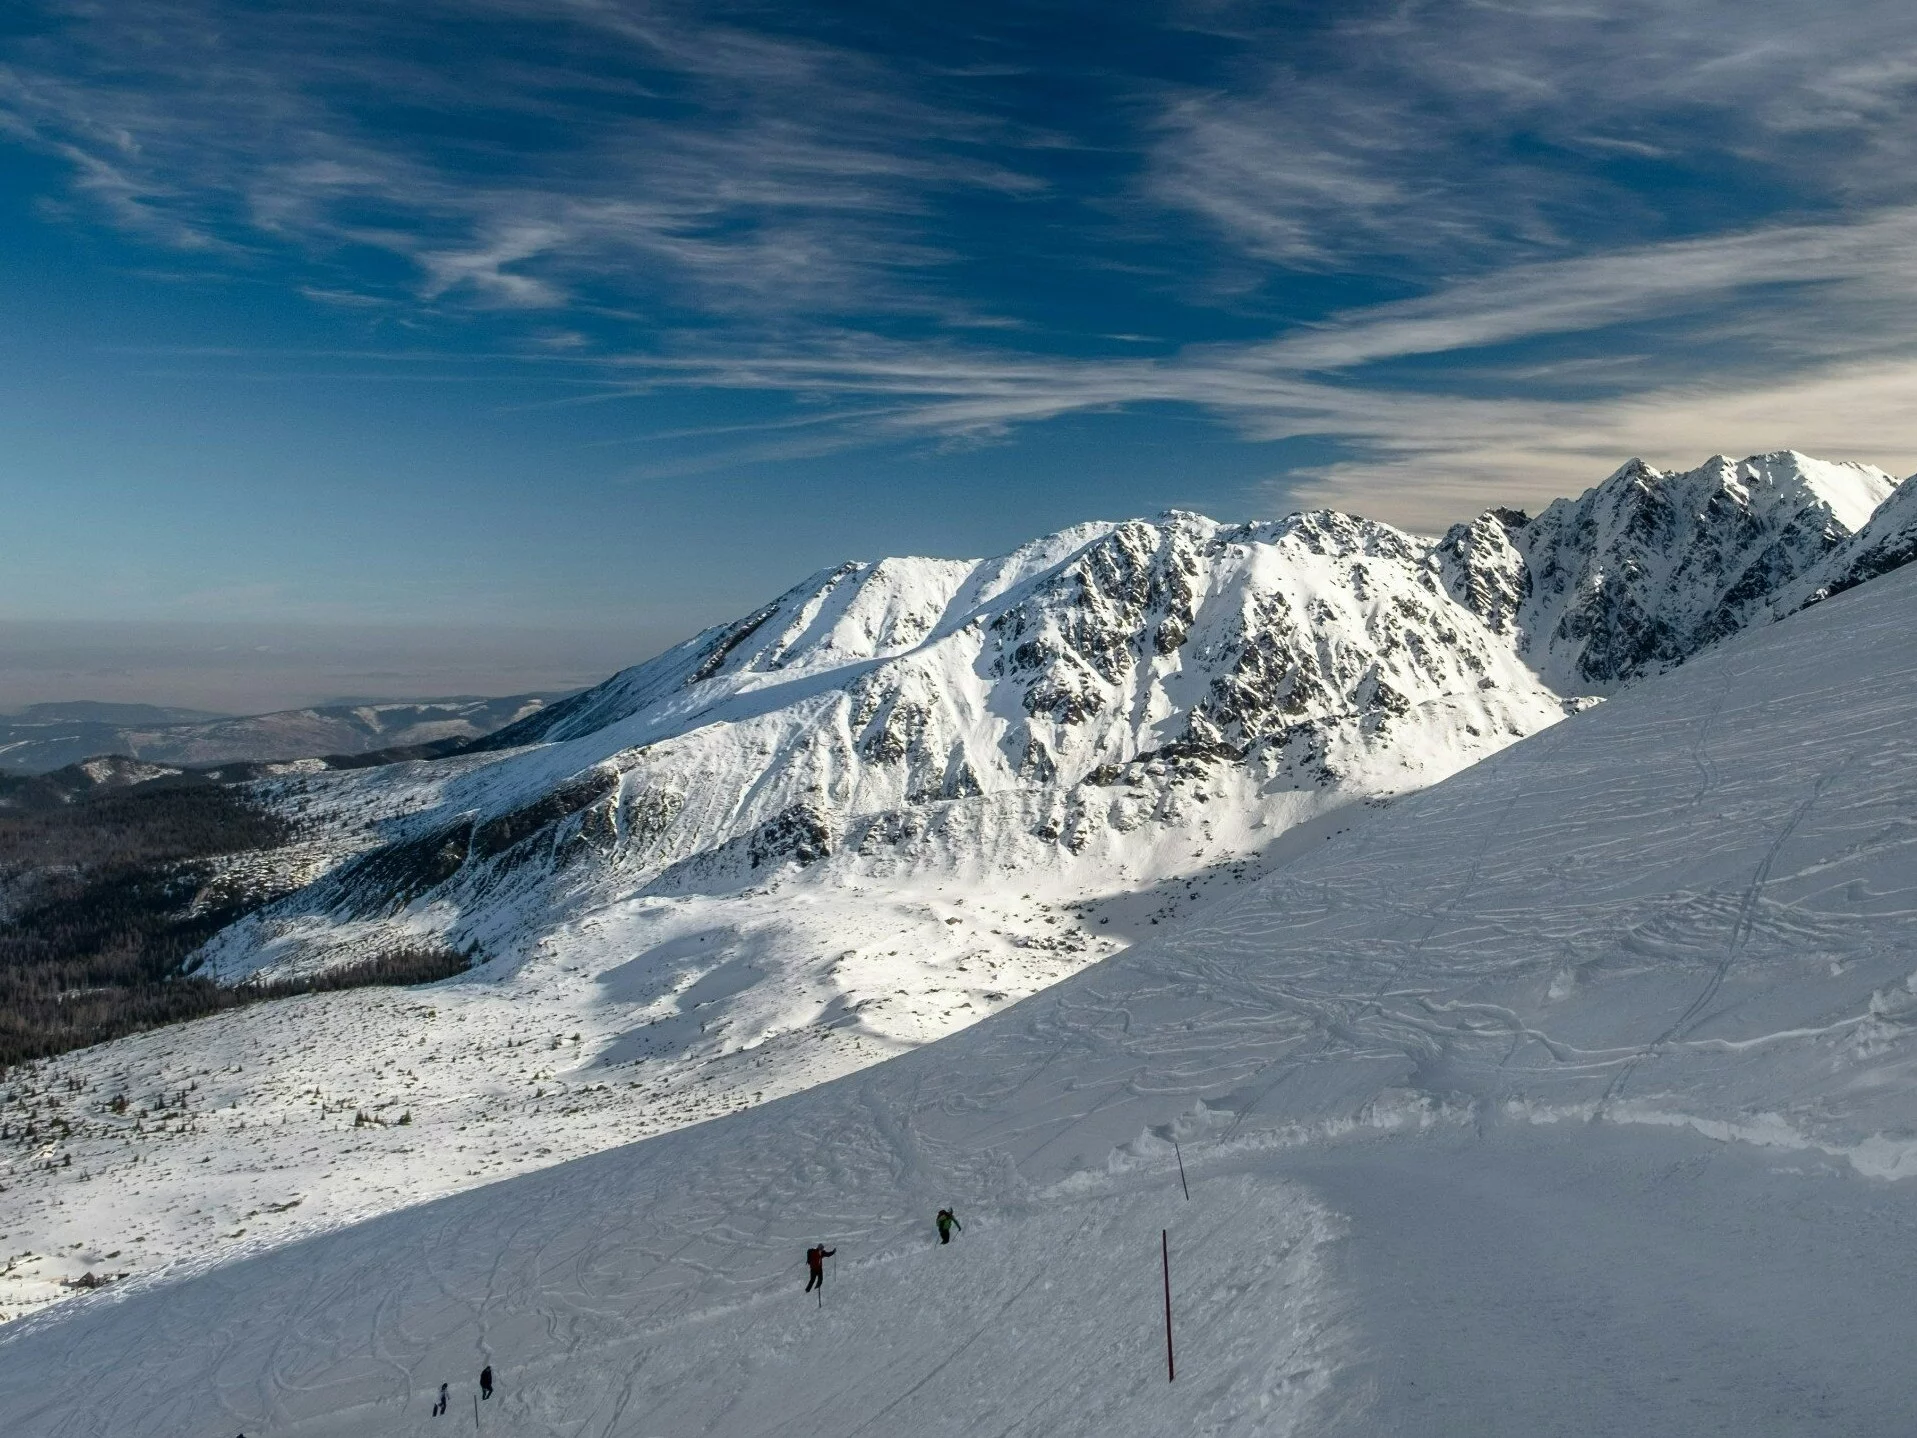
[(1164, 1243)]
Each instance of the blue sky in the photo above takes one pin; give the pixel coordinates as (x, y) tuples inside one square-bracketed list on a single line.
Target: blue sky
[(607, 318)]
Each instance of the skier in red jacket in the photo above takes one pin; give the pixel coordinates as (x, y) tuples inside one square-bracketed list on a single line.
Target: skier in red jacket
[(815, 1258)]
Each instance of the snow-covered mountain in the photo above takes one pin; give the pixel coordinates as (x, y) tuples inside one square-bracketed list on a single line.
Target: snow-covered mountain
[(1085, 706), (1571, 1095), (1651, 566), (896, 799), (1102, 709)]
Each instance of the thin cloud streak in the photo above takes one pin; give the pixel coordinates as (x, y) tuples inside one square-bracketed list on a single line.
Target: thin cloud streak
[(1456, 135), (768, 175), (1874, 261)]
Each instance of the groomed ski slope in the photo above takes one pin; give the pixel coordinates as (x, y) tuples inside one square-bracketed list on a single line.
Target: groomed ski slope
[(1571, 1096)]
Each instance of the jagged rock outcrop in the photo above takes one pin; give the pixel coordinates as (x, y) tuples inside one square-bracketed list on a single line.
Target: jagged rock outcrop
[(1651, 566)]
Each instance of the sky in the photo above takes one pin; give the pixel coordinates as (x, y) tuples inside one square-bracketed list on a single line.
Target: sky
[(582, 324)]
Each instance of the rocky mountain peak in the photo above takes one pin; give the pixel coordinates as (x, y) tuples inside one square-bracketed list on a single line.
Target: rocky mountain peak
[(1647, 568)]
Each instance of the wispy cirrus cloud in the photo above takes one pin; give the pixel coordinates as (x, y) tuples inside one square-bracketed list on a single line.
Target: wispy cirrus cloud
[(1484, 248), (1457, 134), (561, 153), (1427, 454), (1420, 460), (1864, 270)]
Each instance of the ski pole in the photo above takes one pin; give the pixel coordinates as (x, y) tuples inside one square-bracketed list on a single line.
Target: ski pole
[(1181, 1170), (1171, 1369)]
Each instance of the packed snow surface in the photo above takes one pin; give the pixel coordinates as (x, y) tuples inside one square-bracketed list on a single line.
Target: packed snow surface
[(1573, 1095)]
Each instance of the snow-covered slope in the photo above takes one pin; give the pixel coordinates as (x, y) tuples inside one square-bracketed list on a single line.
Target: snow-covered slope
[(1443, 1084), (1888, 542), (896, 799)]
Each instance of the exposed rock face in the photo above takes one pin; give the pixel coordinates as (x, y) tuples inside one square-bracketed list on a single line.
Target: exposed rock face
[(1484, 569), (1651, 566)]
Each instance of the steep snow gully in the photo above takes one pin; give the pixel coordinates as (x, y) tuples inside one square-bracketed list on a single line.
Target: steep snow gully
[(1570, 1096)]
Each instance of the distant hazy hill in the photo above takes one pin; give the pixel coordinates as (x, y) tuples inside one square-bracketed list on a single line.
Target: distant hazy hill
[(44, 737)]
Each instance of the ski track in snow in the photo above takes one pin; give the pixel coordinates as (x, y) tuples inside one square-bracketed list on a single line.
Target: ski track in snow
[(265, 1147), (1413, 1208), (1519, 1286)]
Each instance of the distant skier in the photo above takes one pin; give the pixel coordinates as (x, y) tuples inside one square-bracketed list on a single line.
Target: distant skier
[(815, 1258), (440, 1407), (486, 1381), (947, 1222)]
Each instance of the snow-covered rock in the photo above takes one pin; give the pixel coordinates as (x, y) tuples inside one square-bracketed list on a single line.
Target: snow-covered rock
[(1652, 566), (1887, 542)]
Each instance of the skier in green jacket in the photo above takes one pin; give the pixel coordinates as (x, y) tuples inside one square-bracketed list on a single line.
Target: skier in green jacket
[(947, 1221)]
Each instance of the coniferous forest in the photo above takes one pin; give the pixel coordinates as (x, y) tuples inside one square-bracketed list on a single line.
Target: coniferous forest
[(105, 896)]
